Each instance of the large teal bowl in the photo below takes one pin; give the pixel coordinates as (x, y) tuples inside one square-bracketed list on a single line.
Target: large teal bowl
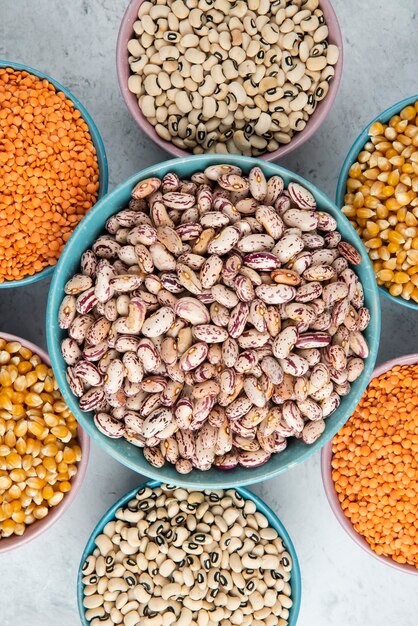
[(100, 151), (92, 226), (351, 157), (295, 580)]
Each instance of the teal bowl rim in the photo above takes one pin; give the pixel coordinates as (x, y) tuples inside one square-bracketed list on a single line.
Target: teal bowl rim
[(357, 146), (100, 151), (238, 476), (296, 579)]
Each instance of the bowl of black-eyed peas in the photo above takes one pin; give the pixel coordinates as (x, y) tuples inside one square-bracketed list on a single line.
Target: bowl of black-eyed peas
[(255, 78)]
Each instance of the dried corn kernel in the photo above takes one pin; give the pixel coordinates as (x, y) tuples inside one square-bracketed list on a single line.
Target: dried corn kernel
[(40, 512), (56, 498), (376, 129), (37, 429), (395, 289), (18, 475), (18, 517), (5, 483), (374, 243), (395, 237)]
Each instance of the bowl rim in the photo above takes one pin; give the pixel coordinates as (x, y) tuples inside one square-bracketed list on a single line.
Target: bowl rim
[(352, 154), (37, 528), (54, 349), (100, 150), (328, 483), (313, 124), (274, 521)]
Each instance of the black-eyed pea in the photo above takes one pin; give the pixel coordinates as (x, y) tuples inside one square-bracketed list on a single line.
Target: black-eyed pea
[(93, 601), (88, 566)]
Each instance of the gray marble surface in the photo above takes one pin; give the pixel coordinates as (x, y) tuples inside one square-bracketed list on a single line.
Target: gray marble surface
[(75, 41)]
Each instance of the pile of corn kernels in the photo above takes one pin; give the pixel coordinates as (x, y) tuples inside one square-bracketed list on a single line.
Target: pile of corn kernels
[(39, 451), (382, 201)]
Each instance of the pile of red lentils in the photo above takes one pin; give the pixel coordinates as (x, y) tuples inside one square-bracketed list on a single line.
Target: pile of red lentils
[(375, 465), (49, 174)]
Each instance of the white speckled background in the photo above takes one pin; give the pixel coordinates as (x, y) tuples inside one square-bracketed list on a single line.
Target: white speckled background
[(74, 41)]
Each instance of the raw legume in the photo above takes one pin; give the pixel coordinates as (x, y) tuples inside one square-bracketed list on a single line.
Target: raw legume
[(196, 573), (237, 58), (38, 440), (216, 318), (382, 202), (48, 173), (375, 465)]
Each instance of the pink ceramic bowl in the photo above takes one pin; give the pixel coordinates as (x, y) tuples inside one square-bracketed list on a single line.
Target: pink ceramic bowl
[(126, 33), (326, 457), (40, 526)]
